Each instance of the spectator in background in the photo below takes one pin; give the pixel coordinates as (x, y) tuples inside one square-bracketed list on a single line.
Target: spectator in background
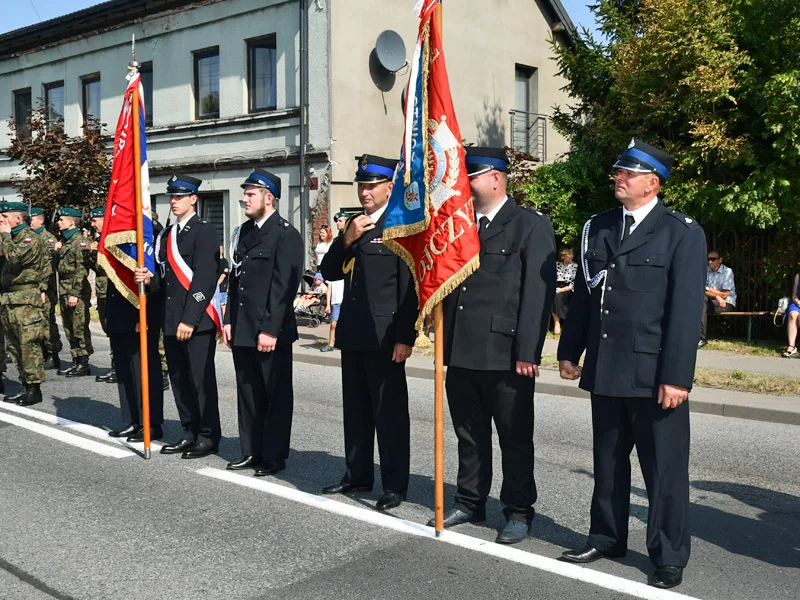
[(222, 282), (792, 318), (335, 291), (720, 292), (312, 297), (325, 239), (566, 267)]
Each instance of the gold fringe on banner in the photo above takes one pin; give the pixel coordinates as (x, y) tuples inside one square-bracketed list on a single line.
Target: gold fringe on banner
[(111, 242)]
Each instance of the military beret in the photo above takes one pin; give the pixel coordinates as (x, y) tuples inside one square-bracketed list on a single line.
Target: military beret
[(644, 158), (482, 159), (6, 207), (340, 214), (183, 185), (264, 179), (374, 169), (36, 211), (68, 211), (97, 212)]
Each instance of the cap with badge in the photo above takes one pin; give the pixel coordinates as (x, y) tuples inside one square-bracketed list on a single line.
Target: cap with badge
[(97, 212), (37, 212), (374, 169), (68, 211), (481, 159), (183, 185), (340, 214), (7, 207), (644, 158), (264, 179)]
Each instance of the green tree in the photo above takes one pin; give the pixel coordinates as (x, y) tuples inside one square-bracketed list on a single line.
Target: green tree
[(60, 170), (716, 83)]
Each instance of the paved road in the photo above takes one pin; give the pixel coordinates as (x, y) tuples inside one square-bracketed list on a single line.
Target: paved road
[(77, 524)]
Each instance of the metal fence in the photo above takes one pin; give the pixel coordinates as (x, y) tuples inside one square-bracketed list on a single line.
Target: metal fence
[(529, 134)]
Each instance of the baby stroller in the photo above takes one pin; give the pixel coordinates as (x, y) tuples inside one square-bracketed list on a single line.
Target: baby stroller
[(314, 314)]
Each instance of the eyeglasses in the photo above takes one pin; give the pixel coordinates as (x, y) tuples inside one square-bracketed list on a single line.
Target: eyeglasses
[(713, 258)]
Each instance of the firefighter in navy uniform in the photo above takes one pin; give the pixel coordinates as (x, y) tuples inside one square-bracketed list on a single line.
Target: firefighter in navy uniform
[(260, 327), (189, 331), (495, 324), (376, 333), (636, 312)]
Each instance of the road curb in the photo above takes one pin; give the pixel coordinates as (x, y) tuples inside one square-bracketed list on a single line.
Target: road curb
[(753, 407)]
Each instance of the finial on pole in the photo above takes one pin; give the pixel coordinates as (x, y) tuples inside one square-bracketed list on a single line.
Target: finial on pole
[(133, 68)]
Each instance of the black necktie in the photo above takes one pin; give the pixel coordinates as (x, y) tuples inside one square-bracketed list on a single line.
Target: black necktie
[(484, 221), (629, 221)]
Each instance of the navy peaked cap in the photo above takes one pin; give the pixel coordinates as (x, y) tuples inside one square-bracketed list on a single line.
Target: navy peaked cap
[(481, 159), (374, 169), (183, 185), (264, 179), (644, 158)]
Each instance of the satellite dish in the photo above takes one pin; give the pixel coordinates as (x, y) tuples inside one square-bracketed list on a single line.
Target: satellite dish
[(390, 51)]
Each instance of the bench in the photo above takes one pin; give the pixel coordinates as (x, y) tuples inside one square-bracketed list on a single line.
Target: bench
[(749, 315)]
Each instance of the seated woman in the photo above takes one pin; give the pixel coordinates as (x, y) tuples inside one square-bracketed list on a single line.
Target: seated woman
[(312, 297), (792, 319)]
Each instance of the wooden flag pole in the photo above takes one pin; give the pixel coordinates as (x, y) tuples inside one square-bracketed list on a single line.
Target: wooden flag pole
[(438, 393), (137, 176)]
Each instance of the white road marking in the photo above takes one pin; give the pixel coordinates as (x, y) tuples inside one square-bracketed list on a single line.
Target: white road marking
[(83, 428), (68, 438), (543, 563)]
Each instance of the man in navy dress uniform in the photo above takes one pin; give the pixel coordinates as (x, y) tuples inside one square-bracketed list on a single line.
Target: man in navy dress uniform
[(376, 333), (636, 312), (495, 324), (260, 327), (189, 331)]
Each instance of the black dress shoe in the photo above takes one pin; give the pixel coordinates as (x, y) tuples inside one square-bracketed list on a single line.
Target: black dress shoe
[(587, 554), (155, 434), (179, 448), (455, 516), (246, 462), (667, 577), (345, 488), (128, 431), (103, 378), (702, 343), (200, 450), (390, 500), (270, 467)]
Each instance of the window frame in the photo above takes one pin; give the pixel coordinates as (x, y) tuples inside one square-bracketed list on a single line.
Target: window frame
[(147, 67), (18, 94), (197, 56), (251, 45), (47, 90), (86, 81)]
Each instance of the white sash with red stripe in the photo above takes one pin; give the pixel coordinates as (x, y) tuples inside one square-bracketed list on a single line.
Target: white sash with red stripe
[(185, 274)]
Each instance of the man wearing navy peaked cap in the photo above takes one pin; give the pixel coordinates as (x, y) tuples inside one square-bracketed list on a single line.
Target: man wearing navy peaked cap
[(267, 263), (376, 334), (495, 325), (636, 313), (189, 331)]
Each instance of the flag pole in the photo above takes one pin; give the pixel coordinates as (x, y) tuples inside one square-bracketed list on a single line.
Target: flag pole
[(438, 392), (137, 175)]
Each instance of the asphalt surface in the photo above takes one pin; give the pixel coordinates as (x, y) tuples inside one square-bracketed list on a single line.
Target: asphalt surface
[(75, 524)]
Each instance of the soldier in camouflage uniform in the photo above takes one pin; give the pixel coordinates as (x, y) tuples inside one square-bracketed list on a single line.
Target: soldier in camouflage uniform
[(96, 216), (74, 291), (24, 284), (52, 338)]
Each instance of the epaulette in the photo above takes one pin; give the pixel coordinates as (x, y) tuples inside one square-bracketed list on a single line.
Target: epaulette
[(284, 222), (682, 218)]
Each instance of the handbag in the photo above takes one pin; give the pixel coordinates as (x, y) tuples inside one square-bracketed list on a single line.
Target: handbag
[(780, 311)]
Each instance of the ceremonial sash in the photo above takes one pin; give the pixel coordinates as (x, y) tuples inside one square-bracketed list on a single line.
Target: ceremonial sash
[(184, 275)]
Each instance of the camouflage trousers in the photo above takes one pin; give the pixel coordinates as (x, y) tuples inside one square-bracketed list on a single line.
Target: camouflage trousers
[(76, 326), (24, 327), (52, 338), (2, 343)]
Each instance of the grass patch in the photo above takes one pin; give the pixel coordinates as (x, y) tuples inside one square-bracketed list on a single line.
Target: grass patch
[(757, 348), (746, 382)]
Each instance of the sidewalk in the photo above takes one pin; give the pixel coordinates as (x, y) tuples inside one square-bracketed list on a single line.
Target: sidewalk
[(726, 403)]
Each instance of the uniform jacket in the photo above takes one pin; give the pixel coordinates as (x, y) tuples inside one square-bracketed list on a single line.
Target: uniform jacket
[(199, 247), (644, 331), (73, 270), (50, 243), (101, 279), (262, 288), (379, 307), (23, 271), (123, 317), (499, 314)]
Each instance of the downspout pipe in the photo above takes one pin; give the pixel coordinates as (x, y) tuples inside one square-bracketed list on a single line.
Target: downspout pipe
[(304, 207)]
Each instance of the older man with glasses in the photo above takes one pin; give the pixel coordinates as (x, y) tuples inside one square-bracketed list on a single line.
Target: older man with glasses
[(720, 292)]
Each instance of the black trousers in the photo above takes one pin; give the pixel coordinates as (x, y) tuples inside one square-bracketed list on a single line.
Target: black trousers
[(711, 306), (126, 349), (476, 398), (661, 438), (194, 385), (375, 397), (266, 401)]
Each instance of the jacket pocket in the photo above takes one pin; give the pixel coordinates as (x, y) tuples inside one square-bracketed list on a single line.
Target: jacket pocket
[(499, 255), (646, 350), (646, 272), (504, 325)]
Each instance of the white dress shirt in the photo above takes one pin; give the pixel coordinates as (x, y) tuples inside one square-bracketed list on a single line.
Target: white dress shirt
[(639, 214), (491, 214)]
